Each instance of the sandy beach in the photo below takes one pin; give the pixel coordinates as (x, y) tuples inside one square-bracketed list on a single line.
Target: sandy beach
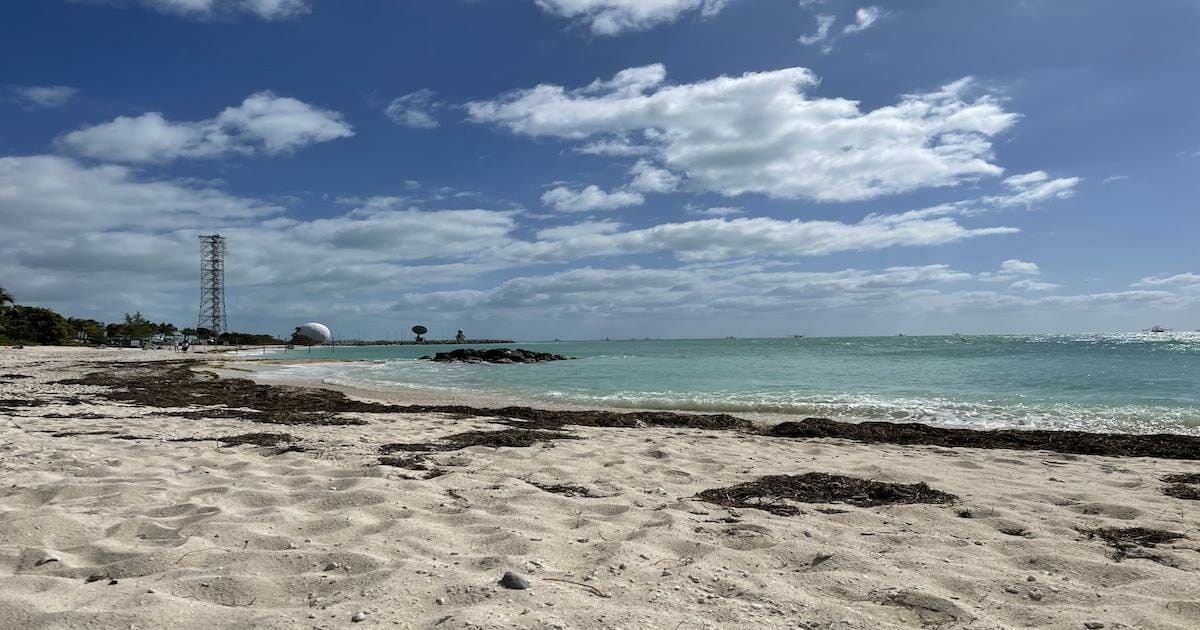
[(118, 512)]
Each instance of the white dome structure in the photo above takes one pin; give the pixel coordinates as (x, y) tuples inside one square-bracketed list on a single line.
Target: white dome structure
[(313, 332)]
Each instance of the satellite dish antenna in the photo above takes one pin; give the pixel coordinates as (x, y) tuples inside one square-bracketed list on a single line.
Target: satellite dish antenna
[(419, 330), (312, 333)]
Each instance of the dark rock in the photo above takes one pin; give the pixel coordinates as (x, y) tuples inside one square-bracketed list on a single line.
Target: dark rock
[(495, 355), (513, 581)]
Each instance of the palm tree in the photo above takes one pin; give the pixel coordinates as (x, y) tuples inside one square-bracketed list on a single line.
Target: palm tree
[(6, 298)]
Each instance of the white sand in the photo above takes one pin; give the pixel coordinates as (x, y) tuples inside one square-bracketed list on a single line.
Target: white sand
[(201, 536)]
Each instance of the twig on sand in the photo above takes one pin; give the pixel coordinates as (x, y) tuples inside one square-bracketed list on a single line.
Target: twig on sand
[(244, 546), (593, 589)]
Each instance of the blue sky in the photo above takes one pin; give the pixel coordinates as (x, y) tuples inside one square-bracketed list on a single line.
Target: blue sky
[(590, 168)]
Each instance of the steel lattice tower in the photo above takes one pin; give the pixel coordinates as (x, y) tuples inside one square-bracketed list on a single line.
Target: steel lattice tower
[(212, 284)]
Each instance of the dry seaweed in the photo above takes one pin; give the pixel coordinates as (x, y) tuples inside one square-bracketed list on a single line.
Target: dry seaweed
[(257, 439), (176, 385), (61, 434), (564, 489), (770, 493), (515, 438), (1183, 491), (545, 419), (1129, 542), (1165, 446), (1193, 478)]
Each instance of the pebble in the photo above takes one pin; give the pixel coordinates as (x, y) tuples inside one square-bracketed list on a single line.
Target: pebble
[(439, 601), (332, 566), (1036, 595), (1031, 579), (513, 581), (358, 616), (1093, 625), (1011, 589)]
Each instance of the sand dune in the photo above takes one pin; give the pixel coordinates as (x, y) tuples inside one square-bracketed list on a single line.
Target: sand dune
[(99, 530)]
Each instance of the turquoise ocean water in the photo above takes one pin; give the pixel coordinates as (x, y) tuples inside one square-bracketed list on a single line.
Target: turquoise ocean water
[(1137, 382)]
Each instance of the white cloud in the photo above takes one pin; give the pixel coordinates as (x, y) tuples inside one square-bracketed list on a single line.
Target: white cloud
[(263, 123), (824, 23), (1112, 179), (205, 9), (717, 211), (723, 239), (648, 178), (1179, 279), (613, 17), (760, 132), (47, 195), (1015, 266), (414, 110), (589, 198), (1032, 285), (1030, 188), (864, 19), (695, 288), (42, 96)]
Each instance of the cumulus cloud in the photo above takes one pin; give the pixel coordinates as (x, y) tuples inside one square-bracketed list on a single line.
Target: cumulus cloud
[(613, 17), (1010, 270), (414, 110), (717, 211), (207, 9), (263, 123), (41, 96), (41, 195), (589, 198), (762, 133), (1015, 266), (648, 178)]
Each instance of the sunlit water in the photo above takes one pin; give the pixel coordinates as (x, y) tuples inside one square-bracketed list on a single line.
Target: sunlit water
[(1137, 382)]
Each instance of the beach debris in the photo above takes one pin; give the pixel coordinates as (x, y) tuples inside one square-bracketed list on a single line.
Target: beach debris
[(515, 438), (514, 581), (1093, 625), (770, 493), (46, 560), (257, 439), (1132, 542), (1193, 478), (564, 489), (495, 355), (358, 616), (930, 609), (1183, 491), (1183, 486), (1164, 446)]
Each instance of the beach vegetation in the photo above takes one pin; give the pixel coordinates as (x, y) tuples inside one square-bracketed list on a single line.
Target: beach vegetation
[(33, 324)]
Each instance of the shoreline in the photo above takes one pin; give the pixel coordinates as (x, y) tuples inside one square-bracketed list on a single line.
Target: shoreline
[(271, 509)]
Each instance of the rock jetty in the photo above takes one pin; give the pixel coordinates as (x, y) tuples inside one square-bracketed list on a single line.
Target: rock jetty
[(495, 355)]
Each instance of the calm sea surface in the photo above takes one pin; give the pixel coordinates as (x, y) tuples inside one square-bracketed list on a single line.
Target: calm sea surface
[(1137, 382)]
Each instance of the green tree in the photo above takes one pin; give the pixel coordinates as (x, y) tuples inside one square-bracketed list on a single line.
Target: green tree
[(137, 326), (86, 329), (33, 324)]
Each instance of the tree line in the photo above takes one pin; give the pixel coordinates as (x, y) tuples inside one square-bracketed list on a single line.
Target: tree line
[(39, 325)]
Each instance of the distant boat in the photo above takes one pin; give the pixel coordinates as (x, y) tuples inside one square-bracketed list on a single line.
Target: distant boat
[(1158, 329)]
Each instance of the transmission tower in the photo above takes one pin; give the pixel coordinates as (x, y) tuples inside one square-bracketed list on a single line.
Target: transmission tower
[(212, 284)]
